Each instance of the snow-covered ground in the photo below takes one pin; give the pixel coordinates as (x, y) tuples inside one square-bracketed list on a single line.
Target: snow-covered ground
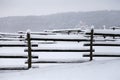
[(95, 70)]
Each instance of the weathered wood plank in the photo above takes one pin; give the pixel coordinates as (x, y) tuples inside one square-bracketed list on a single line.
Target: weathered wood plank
[(59, 50), (55, 39), (13, 68), (39, 61), (101, 55), (29, 50), (91, 47), (106, 32), (17, 45), (15, 56), (102, 44)]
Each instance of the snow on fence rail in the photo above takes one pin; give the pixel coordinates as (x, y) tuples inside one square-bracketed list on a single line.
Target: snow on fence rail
[(15, 44), (102, 55), (103, 33), (68, 31), (77, 38), (37, 33), (92, 43), (12, 42), (16, 56), (104, 44), (58, 38), (11, 35), (57, 61), (12, 39), (59, 50)]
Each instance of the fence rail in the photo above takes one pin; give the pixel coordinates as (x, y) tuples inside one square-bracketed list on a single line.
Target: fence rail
[(16, 56), (98, 33), (101, 55)]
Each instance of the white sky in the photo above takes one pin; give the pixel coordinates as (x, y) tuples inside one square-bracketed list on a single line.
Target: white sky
[(44, 7)]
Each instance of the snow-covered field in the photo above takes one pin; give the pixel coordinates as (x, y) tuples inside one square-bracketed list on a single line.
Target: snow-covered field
[(95, 70), (98, 69)]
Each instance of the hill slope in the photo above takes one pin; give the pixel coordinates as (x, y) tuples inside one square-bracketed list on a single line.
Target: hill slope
[(61, 20)]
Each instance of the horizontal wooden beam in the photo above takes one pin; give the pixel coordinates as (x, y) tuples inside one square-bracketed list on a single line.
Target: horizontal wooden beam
[(105, 34), (35, 62), (59, 50), (52, 39), (14, 56), (101, 55), (17, 45), (101, 44), (74, 40), (11, 39), (13, 68), (104, 40)]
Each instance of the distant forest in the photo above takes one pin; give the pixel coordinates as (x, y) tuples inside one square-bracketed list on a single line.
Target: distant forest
[(60, 21)]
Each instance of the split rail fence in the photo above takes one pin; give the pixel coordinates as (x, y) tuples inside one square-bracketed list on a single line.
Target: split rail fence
[(99, 33), (88, 42)]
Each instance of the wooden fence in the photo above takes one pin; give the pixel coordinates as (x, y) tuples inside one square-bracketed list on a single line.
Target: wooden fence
[(95, 43), (30, 50), (12, 43), (88, 42)]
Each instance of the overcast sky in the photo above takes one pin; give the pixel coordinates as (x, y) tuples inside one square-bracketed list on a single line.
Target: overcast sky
[(44, 7)]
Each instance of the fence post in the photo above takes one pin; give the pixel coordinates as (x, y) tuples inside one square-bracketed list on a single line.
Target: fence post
[(113, 35), (29, 50), (91, 45)]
